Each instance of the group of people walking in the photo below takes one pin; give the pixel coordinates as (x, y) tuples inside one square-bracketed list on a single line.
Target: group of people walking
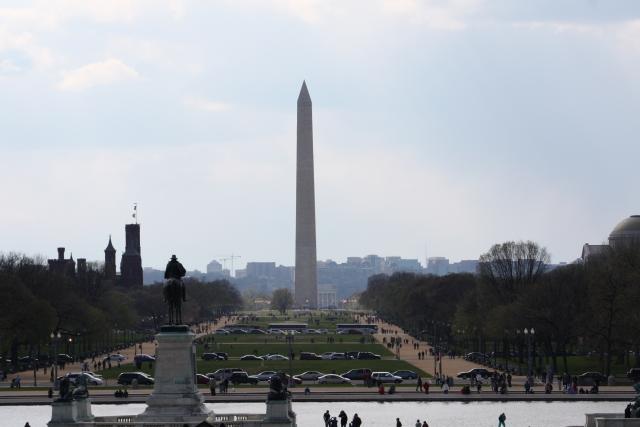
[(418, 423)]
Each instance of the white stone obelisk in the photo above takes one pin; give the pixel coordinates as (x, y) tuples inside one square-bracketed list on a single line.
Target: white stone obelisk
[(306, 272)]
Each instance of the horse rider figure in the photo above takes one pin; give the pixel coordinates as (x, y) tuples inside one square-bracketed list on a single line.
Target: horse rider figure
[(174, 290)]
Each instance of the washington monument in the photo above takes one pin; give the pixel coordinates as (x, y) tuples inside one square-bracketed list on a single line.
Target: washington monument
[(306, 275)]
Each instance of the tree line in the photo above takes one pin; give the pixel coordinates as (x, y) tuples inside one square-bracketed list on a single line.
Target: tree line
[(588, 308), (93, 315)]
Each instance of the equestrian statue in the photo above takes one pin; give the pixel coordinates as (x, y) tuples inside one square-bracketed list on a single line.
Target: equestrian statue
[(174, 290)]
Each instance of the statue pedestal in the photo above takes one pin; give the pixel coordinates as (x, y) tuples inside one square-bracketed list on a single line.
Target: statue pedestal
[(84, 410), (175, 397), (279, 414), (63, 414)]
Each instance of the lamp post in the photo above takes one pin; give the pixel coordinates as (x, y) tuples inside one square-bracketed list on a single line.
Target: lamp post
[(55, 337), (289, 338), (529, 334)]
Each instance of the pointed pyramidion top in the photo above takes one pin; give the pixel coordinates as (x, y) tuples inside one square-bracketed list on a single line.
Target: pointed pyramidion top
[(304, 97)]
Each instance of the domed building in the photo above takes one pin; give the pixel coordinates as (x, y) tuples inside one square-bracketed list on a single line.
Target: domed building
[(627, 232)]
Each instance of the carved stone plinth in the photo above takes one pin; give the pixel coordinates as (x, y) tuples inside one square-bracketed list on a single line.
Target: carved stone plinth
[(175, 396)]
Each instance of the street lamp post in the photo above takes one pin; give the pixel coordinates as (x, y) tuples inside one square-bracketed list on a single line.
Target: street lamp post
[(55, 337), (529, 334)]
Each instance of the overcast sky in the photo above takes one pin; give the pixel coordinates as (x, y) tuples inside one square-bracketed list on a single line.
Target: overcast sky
[(441, 127)]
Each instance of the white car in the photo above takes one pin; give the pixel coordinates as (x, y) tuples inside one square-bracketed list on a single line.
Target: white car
[(116, 357), (264, 376), (327, 355), (221, 332), (333, 379), (91, 379), (309, 375), (276, 331), (276, 357), (385, 377)]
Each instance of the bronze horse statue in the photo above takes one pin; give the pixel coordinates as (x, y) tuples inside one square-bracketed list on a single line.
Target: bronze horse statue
[(174, 291)]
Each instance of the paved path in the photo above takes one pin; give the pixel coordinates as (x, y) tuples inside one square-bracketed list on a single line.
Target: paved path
[(450, 367)]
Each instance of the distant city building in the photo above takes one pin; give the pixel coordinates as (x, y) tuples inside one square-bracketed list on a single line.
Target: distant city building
[(60, 265), (464, 266), (438, 266), (260, 269), (131, 262), (214, 267), (327, 296)]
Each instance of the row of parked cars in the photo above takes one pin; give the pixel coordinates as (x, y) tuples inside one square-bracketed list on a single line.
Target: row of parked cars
[(329, 355), (255, 331), (239, 376)]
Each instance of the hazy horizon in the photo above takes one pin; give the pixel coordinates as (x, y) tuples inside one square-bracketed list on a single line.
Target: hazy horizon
[(440, 127)]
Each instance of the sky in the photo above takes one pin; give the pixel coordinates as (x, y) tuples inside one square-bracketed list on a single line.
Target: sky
[(440, 127)]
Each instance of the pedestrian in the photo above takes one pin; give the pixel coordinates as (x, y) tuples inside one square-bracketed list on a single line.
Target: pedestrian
[(501, 420), (424, 424), (418, 423), (356, 421), (343, 419), (327, 418), (27, 424), (445, 388), (425, 386), (212, 386), (398, 423), (334, 422), (419, 384)]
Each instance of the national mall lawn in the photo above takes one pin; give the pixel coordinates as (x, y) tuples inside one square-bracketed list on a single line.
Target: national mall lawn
[(237, 345)]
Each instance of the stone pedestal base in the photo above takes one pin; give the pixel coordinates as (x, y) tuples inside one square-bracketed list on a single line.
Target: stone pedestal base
[(279, 414), (84, 410), (63, 414), (175, 396)]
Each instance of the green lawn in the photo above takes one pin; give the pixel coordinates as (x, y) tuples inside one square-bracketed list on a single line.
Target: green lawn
[(316, 319)]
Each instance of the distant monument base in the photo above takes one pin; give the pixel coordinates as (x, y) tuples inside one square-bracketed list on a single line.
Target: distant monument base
[(175, 400)]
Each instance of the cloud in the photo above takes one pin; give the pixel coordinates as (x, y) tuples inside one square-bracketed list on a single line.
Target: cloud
[(97, 74), (205, 104)]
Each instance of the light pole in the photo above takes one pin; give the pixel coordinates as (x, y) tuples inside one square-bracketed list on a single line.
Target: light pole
[(529, 334), (289, 338), (55, 337)]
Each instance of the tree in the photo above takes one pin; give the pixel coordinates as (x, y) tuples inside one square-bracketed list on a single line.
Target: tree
[(507, 266), (281, 300)]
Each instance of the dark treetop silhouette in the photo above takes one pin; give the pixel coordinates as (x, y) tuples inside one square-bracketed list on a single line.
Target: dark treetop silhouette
[(174, 290)]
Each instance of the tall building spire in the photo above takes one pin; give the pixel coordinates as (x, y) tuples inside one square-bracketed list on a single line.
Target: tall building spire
[(306, 272)]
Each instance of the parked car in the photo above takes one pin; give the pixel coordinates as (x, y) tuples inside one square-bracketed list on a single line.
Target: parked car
[(351, 355), (251, 357), (385, 377), (140, 358), (327, 355), (202, 379), (357, 374), (406, 375), (634, 374), (129, 378), (117, 357), (91, 379), (590, 378), (306, 355), (286, 379), (338, 356), (223, 373), (333, 379), (264, 376), (222, 355), (221, 332), (210, 356), (64, 358), (367, 355), (241, 377), (275, 357), (257, 331), (309, 375), (237, 331), (473, 373)]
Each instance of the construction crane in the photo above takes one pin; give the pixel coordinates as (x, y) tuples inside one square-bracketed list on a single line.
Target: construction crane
[(226, 258)]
